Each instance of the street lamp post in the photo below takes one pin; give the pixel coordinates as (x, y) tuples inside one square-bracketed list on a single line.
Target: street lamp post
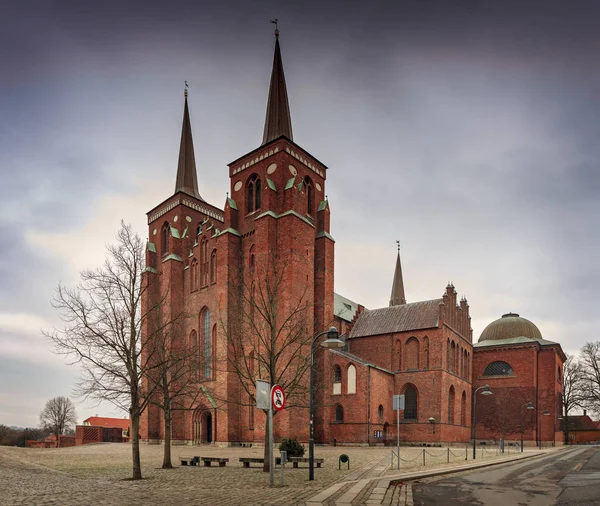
[(528, 405), (486, 391), (545, 413), (332, 341)]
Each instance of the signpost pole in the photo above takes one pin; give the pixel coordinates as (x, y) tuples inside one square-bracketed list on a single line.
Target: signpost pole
[(398, 434), (271, 470)]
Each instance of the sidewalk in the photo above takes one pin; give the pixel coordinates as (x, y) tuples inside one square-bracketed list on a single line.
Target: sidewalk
[(372, 489)]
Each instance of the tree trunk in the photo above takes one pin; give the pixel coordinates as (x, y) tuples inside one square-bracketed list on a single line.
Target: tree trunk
[(566, 429), (167, 450), (135, 446), (267, 454)]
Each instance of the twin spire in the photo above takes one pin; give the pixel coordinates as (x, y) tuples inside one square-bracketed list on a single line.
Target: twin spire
[(398, 298), (278, 122)]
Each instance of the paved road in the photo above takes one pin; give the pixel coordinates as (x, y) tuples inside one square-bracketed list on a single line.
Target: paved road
[(568, 478)]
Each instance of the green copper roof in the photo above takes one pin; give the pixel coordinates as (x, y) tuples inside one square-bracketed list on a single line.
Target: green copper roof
[(151, 269), (287, 213), (184, 232), (151, 247), (325, 234), (230, 231), (512, 340), (232, 203), (322, 205), (271, 184), (290, 183), (173, 257), (175, 233), (210, 399), (300, 186)]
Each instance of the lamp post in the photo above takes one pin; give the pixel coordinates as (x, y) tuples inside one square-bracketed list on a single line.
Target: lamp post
[(560, 419), (545, 413), (332, 341), (486, 391), (528, 405)]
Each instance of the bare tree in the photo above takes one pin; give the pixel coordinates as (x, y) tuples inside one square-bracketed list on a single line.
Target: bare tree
[(58, 416), (573, 394), (269, 333), (103, 320)]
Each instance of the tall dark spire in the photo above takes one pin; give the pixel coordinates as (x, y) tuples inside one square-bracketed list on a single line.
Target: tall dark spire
[(187, 179), (398, 298), (278, 121)]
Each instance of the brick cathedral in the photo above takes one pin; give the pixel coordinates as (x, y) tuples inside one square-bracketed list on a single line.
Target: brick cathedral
[(275, 225)]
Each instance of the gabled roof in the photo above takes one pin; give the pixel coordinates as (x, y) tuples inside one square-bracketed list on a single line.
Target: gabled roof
[(100, 421), (388, 320), (344, 308), (356, 359)]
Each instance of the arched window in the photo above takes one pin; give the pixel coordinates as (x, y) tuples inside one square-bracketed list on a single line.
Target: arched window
[(212, 350), (399, 357), (448, 356), (253, 193), (380, 413), (426, 353), (498, 369), (310, 206), (351, 375), (411, 354), (213, 266), (206, 343), (194, 275), (199, 229), (339, 413), (464, 372), (250, 413), (251, 259), (204, 262), (452, 356), (410, 403), (195, 353), (337, 374), (451, 405), (463, 409), (164, 234)]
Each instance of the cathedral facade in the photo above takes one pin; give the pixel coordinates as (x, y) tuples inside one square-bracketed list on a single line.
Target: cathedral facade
[(268, 255)]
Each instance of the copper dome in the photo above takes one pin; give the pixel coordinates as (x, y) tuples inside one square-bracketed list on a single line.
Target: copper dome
[(509, 326)]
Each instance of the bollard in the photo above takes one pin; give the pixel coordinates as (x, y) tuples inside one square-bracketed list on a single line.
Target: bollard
[(423, 457), (283, 458), (448, 455), (466, 453)]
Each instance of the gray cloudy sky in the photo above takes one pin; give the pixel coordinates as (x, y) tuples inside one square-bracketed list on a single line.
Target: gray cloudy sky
[(467, 129)]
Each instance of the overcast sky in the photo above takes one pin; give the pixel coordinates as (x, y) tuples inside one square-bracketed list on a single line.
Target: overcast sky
[(466, 129)]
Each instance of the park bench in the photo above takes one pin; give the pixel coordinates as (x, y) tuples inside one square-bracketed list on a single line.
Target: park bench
[(296, 460), (192, 461), (209, 460), (246, 461)]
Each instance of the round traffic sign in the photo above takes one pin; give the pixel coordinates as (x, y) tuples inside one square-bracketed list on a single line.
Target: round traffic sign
[(277, 398)]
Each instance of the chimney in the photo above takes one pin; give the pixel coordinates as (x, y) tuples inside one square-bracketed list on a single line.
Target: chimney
[(585, 412)]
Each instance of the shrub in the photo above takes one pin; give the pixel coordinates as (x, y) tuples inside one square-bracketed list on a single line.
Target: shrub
[(292, 447)]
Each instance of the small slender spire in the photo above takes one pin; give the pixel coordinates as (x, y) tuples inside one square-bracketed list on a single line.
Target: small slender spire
[(278, 121), (398, 298), (187, 179)]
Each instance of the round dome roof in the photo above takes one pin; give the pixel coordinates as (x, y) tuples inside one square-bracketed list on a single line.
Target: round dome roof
[(509, 326)]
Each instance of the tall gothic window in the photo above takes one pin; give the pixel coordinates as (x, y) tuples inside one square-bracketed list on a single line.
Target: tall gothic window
[(339, 413), (426, 353), (310, 205), (411, 354), (463, 409), (195, 352), (410, 403), (351, 379), (213, 266), (164, 245), (337, 374), (253, 193), (204, 262), (451, 405), (206, 344)]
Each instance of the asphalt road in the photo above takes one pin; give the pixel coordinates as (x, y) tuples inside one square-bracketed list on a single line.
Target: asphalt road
[(568, 477)]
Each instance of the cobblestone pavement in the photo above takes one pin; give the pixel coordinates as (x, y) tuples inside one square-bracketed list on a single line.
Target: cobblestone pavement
[(98, 475)]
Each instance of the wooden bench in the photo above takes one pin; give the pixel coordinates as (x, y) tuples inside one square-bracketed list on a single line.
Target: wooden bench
[(304, 460), (192, 461), (209, 460), (246, 461)]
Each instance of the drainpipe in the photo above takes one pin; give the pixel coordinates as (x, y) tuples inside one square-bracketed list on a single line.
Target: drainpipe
[(369, 405), (537, 396)]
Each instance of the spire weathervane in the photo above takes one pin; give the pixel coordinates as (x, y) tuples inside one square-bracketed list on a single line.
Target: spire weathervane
[(275, 21), (398, 243), (185, 91)]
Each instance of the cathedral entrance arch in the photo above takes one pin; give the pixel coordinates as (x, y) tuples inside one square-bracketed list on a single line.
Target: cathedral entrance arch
[(202, 426)]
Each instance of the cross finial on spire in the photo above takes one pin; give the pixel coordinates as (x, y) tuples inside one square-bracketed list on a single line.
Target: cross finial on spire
[(275, 21), (185, 91), (398, 243)]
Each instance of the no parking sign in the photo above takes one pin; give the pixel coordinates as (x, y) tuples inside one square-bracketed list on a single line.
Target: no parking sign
[(277, 398)]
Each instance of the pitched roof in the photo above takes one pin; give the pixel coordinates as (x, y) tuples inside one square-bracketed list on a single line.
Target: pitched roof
[(397, 298), (387, 320), (278, 121), (344, 308), (512, 340), (100, 421), (187, 179)]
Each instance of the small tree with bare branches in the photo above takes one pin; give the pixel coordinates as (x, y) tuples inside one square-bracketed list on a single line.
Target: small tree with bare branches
[(573, 392), (269, 333), (103, 320), (58, 416)]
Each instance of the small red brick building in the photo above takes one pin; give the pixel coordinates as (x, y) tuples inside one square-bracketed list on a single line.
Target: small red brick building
[(206, 259)]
